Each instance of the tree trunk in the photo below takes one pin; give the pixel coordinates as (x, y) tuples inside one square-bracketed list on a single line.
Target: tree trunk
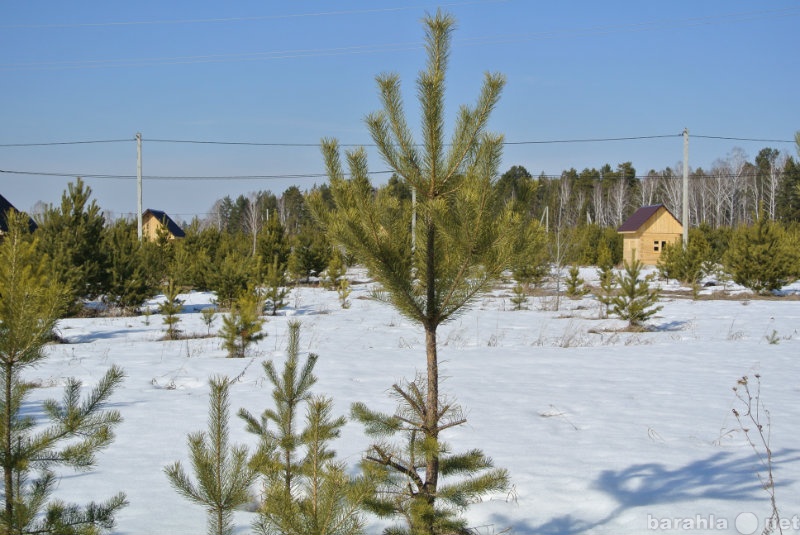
[(432, 401), (8, 471)]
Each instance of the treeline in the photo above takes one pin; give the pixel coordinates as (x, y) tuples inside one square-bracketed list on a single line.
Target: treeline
[(245, 241), (728, 194)]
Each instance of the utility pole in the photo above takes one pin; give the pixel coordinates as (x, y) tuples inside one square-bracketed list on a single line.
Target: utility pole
[(685, 215), (139, 183)]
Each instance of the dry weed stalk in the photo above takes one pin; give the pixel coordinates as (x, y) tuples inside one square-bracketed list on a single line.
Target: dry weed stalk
[(758, 437)]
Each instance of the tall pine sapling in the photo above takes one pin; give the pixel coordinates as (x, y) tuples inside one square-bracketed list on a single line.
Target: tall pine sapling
[(69, 234), (465, 235), (306, 492), (170, 309), (78, 428), (635, 301), (224, 476)]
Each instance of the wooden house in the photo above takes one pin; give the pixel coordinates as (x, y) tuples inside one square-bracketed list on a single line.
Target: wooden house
[(155, 221), (646, 233), (5, 207)]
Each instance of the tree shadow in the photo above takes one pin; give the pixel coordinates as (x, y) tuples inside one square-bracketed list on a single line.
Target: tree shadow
[(722, 476), (671, 326)]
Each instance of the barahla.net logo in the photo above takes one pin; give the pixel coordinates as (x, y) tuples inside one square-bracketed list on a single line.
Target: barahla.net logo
[(745, 523)]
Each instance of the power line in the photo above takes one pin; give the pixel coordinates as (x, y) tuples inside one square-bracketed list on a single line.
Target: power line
[(588, 140), (53, 143), (176, 177), (745, 139), (240, 19), (311, 175), (317, 145), (374, 48)]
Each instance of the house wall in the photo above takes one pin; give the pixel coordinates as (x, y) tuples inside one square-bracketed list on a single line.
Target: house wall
[(649, 240), (150, 226)]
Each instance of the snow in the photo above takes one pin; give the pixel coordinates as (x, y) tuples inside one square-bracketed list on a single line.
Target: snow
[(602, 431)]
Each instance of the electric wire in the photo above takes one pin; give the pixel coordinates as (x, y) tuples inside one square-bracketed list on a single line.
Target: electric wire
[(241, 19), (301, 176), (393, 47), (317, 145)]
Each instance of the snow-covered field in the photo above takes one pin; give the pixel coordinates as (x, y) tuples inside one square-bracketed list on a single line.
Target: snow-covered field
[(602, 431)]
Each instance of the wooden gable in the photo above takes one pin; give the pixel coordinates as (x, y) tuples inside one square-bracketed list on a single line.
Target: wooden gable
[(647, 231), (154, 220)]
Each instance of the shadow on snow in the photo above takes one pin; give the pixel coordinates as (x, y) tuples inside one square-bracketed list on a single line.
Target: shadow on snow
[(722, 476)]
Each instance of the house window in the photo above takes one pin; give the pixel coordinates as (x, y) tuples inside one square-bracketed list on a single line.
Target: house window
[(655, 246), (663, 244)]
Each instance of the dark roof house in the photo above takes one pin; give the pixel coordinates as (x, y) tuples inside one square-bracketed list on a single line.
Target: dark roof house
[(647, 232), (153, 220), (5, 206)]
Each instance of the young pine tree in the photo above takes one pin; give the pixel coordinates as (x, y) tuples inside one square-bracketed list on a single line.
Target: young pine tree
[(306, 492), (761, 257), (635, 301), (223, 474), (400, 469), (464, 236), (129, 280), (242, 326), (232, 276), (209, 315), (686, 264), (170, 309), (70, 235), (275, 286), (574, 282), (336, 270), (30, 303)]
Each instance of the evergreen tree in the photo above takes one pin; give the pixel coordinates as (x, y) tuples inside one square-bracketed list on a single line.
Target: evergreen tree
[(272, 241), (337, 269), (607, 292), (309, 254), (686, 264), (231, 277), (242, 326), (343, 290), (789, 192), (519, 297), (192, 263), (761, 257), (209, 314), (70, 235), (400, 470), (223, 474), (464, 235), (30, 303), (306, 492), (275, 286), (635, 300), (129, 282), (170, 308), (574, 282)]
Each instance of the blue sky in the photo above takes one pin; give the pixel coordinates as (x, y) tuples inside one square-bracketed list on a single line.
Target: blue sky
[(295, 72)]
